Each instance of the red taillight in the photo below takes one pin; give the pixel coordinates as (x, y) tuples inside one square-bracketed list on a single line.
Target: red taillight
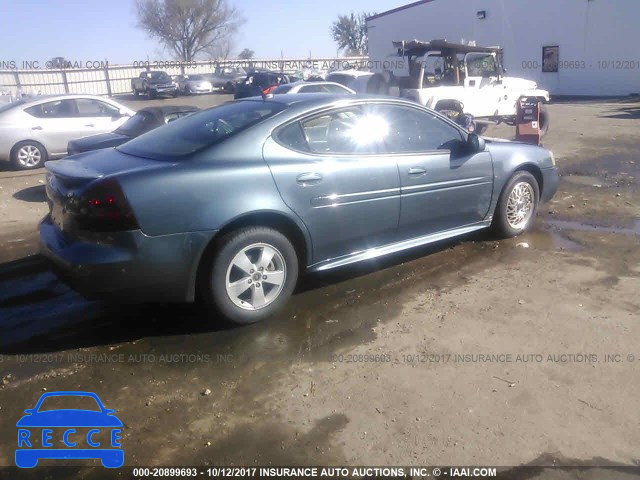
[(267, 90), (104, 208)]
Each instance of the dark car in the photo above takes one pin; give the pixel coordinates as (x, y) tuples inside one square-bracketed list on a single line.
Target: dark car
[(144, 120), (233, 202), (259, 83)]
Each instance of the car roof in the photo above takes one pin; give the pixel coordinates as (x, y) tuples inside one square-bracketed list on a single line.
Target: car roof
[(53, 97), (313, 82), (164, 109), (314, 100), (353, 73)]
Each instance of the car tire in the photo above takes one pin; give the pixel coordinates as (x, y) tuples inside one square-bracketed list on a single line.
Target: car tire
[(517, 205), (544, 120), (28, 155), (136, 93), (236, 261)]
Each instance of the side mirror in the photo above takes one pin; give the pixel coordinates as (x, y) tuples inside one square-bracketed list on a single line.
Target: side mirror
[(475, 143)]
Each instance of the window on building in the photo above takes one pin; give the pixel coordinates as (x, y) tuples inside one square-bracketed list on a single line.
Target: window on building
[(550, 58)]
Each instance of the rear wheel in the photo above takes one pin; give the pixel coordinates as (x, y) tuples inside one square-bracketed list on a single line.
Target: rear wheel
[(252, 274), (28, 155), (517, 205)]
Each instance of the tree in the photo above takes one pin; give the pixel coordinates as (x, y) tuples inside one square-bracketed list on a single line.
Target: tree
[(350, 33), (221, 50), (58, 62), (246, 54), (188, 27)]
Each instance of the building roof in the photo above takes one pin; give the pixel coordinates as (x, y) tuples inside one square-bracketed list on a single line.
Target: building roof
[(398, 9)]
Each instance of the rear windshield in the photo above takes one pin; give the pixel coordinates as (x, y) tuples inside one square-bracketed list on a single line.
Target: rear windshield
[(178, 140), (137, 125)]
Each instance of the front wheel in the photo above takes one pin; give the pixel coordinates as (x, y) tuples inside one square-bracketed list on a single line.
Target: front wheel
[(517, 205), (252, 274)]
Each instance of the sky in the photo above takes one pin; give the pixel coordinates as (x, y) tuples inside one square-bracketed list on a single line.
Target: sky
[(94, 30)]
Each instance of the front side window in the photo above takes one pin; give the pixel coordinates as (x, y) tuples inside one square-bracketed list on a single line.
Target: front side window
[(410, 130), (481, 65), (88, 107)]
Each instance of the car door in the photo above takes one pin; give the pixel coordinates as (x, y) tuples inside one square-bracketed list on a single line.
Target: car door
[(442, 186), (55, 123), (328, 174), (482, 86), (98, 116)]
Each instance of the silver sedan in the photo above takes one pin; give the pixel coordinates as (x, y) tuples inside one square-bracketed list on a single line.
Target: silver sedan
[(38, 129)]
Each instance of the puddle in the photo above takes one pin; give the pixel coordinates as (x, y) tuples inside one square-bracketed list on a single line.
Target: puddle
[(587, 181), (547, 240), (634, 229)]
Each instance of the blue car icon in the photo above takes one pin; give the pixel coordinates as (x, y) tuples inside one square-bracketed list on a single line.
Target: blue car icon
[(78, 433)]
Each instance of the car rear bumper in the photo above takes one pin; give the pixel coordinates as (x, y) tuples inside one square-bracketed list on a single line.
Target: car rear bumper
[(126, 266), (550, 182)]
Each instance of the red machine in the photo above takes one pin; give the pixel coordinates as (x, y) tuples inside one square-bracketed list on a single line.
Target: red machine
[(528, 120)]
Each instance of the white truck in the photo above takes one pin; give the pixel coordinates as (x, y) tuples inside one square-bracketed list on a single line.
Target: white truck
[(455, 79)]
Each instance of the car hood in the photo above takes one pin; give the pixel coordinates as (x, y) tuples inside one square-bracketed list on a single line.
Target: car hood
[(95, 142), (69, 418), (88, 166)]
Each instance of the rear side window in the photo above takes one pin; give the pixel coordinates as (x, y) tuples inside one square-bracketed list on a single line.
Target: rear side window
[(346, 131), (55, 109), (177, 140), (293, 137)]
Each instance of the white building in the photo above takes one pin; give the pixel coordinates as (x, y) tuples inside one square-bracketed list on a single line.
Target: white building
[(597, 42)]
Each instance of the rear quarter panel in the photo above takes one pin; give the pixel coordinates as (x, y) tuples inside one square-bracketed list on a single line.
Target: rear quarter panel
[(207, 192)]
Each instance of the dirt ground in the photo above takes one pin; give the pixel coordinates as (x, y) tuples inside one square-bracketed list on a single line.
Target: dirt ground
[(473, 352)]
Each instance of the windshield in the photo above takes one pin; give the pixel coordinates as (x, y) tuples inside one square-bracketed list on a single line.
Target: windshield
[(136, 125), (9, 106), (160, 77), (68, 402), (177, 140)]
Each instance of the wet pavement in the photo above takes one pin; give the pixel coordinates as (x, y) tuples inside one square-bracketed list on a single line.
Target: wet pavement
[(333, 379)]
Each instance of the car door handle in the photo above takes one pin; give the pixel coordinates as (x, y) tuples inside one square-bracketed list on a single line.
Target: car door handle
[(309, 178), (417, 171), (36, 128), (89, 125)]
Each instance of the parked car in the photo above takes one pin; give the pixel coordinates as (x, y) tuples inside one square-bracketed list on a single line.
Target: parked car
[(233, 202), (37, 129), (259, 83), (356, 80), (313, 87), (154, 84), (194, 83), (144, 120), (226, 79)]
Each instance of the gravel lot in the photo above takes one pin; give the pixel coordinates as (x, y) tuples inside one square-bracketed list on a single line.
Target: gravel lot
[(474, 352)]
